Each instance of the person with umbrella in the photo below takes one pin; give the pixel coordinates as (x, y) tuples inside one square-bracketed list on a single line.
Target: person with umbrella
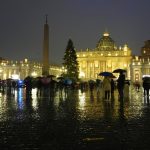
[(107, 87), (146, 85), (28, 83), (106, 84), (120, 84)]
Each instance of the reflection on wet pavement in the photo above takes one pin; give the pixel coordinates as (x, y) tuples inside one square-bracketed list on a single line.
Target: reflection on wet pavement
[(78, 120)]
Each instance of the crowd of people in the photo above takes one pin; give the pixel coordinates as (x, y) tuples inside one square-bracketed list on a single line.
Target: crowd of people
[(108, 85), (105, 87)]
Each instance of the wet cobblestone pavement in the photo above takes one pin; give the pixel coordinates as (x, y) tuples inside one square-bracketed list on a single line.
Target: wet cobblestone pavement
[(79, 121)]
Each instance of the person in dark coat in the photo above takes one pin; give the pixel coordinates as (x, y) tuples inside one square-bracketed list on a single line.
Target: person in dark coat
[(28, 83), (120, 85), (146, 85)]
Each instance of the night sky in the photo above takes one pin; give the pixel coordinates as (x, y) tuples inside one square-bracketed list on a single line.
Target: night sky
[(84, 21)]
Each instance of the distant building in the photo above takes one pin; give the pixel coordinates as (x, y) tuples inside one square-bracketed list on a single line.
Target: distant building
[(140, 65), (22, 69)]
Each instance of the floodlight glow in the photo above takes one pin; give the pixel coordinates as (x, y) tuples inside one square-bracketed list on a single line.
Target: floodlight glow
[(34, 74), (81, 74), (15, 76)]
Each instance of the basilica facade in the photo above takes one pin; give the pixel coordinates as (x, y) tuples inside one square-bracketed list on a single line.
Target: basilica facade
[(105, 57)]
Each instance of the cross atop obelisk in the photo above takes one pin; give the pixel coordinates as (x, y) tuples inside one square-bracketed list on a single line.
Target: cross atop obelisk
[(46, 18)]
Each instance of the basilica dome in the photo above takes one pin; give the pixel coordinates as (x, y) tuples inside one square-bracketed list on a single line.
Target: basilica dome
[(106, 43)]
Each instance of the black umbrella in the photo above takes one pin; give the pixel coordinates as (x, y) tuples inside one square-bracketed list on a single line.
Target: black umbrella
[(60, 78), (108, 74), (51, 76), (119, 70)]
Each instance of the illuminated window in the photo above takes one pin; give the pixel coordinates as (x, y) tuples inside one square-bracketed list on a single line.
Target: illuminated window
[(96, 63), (136, 57), (125, 53), (84, 64), (109, 64)]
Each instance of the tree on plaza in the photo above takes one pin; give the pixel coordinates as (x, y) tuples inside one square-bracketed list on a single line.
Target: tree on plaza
[(70, 62)]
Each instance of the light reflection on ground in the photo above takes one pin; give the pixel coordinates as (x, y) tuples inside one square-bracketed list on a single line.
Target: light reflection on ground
[(89, 105), (76, 119)]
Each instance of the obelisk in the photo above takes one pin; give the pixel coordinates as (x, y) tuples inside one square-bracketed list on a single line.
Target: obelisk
[(45, 69)]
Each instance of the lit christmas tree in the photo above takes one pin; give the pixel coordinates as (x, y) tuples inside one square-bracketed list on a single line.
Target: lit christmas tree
[(70, 62)]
